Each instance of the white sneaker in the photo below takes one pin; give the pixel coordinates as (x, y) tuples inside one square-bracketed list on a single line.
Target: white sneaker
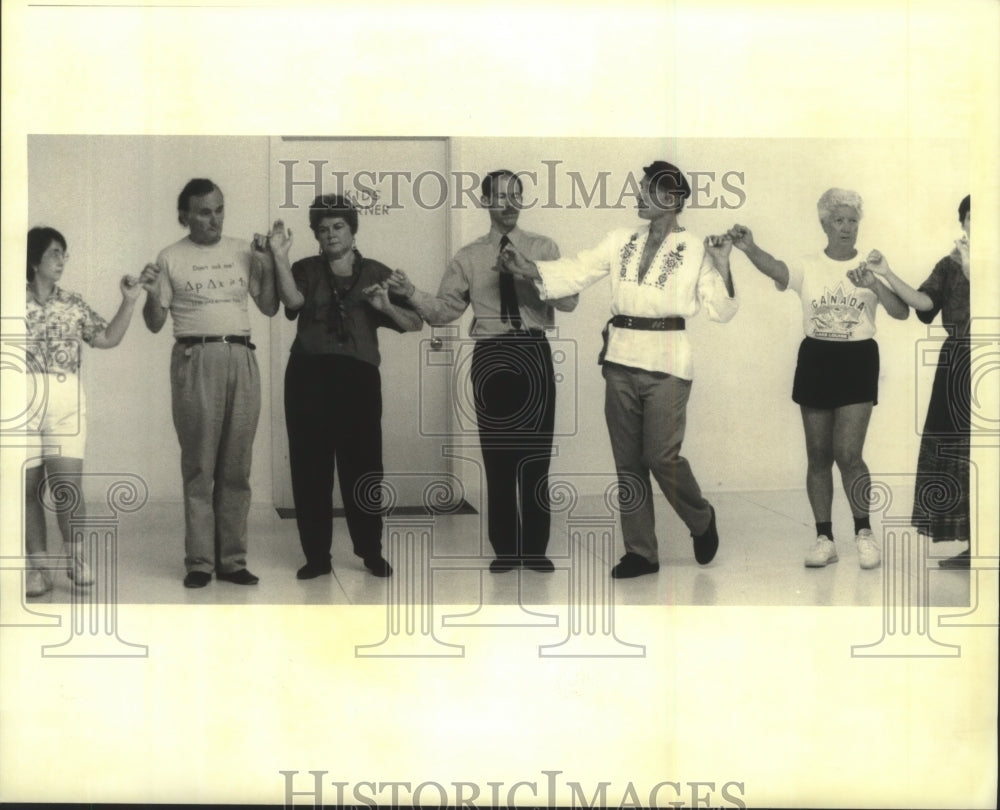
[(37, 582), (822, 553), (78, 570), (869, 553)]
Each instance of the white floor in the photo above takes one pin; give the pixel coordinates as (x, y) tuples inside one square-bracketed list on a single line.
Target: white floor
[(764, 536)]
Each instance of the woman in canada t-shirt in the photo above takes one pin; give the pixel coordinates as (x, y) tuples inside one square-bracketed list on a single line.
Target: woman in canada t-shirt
[(836, 377)]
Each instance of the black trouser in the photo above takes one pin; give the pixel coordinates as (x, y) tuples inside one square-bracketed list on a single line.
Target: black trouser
[(333, 413), (514, 388)]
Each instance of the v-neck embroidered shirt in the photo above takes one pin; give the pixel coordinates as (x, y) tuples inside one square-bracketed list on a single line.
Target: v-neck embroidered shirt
[(679, 281)]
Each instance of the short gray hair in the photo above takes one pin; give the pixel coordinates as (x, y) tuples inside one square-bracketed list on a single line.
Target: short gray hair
[(833, 197)]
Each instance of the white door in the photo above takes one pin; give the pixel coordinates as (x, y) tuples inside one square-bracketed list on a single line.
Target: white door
[(401, 224)]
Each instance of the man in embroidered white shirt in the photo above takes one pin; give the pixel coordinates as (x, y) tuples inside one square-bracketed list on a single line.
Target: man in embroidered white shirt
[(512, 374), (660, 275)]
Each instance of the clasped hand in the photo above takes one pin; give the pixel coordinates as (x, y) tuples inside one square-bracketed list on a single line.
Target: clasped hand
[(866, 273)]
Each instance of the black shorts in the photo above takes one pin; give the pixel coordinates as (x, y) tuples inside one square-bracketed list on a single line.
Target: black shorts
[(831, 374)]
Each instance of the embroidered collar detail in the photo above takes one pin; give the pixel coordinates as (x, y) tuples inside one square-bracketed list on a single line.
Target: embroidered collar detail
[(668, 262)]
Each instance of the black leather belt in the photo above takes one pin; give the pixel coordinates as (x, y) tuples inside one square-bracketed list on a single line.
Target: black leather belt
[(671, 324), (243, 340)]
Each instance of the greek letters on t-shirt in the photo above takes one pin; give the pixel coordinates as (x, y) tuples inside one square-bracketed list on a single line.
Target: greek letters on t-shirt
[(221, 278), (836, 313), (197, 276)]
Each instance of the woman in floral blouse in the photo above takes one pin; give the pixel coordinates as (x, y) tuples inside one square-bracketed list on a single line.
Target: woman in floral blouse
[(660, 275), (58, 320)]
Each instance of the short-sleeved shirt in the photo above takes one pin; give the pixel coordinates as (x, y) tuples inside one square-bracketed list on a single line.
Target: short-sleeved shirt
[(206, 287), (56, 327), (832, 307), (340, 320), (948, 288)]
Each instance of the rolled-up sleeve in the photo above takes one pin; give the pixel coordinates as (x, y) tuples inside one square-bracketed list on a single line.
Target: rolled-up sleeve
[(452, 297), (713, 294), (934, 288), (565, 277)]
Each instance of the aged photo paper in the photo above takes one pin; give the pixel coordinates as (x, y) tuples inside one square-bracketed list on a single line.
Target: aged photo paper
[(742, 705)]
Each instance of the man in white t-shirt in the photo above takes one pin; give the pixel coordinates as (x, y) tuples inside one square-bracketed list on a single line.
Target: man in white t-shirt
[(204, 281)]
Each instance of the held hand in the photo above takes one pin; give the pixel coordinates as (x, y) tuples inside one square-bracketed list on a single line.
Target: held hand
[(149, 277), (511, 261), (963, 250), (400, 284), (130, 288), (742, 237), (378, 296), (719, 247), (279, 239), (861, 276), (877, 263)]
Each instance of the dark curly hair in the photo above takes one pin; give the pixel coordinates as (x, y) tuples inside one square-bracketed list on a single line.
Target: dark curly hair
[(333, 205), (39, 240), (198, 187)]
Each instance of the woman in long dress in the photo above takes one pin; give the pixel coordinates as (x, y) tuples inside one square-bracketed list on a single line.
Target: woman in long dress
[(941, 496)]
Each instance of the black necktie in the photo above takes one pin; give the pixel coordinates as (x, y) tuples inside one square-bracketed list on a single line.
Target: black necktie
[(509, 311)]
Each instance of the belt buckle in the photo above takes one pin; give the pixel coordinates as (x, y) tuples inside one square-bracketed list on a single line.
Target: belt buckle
[(228, 339)]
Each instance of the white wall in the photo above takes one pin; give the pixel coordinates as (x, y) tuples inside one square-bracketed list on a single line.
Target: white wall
[(114, 198)]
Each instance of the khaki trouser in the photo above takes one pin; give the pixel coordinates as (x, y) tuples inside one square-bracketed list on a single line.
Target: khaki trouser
[(215, 394)]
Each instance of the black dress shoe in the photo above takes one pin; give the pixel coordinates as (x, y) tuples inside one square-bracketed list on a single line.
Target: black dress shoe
[(961, 560), (241, 577), (707, 543), (197, 579), (540, 563), (633, 565), (313, 570), (502, 564), (379, 566)]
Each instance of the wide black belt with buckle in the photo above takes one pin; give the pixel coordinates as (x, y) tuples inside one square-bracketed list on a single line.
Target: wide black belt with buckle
[(243, 340), (669, 324)]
